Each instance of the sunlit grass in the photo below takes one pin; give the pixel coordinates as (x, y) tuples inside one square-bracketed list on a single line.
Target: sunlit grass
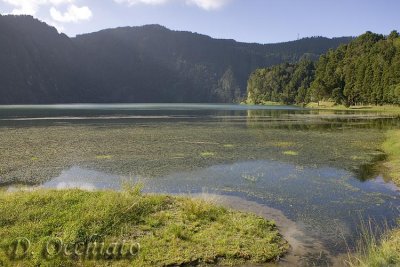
[(372, 252), (170, 230)]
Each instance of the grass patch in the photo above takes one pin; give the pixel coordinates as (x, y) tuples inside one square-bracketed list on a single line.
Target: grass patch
[(171, 231), (377, 253)]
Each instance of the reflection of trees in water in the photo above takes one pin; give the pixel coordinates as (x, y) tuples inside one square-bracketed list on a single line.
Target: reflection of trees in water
[(372, 169), (319, 120), (339, 139)]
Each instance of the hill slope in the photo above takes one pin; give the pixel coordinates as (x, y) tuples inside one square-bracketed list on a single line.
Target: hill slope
[(133, 64), (365, 71)]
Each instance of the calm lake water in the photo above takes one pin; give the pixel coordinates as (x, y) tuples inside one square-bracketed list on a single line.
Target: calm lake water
[(322, 169)]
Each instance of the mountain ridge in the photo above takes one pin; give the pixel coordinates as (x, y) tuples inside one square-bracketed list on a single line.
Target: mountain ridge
[(149, 63)]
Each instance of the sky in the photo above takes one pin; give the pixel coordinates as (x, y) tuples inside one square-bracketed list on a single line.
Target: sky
[(261, 21)]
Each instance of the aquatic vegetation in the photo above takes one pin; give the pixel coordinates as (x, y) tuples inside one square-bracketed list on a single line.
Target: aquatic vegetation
[(207, 154), (357, 157), (392, 147), (252, 178), (229, 146), (172, 155), (170, 231), (346, 185), (385, 251), (154, 149), (104, 157), (291, 153), (284, 144)]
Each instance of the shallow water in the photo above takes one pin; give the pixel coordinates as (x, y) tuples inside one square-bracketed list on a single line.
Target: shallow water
[(321, 170)]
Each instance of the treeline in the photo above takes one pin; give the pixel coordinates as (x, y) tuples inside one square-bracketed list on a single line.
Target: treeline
[(365, 71)]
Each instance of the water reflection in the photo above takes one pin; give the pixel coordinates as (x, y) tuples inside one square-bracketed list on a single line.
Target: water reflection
[(319, 119), (80, 178), (317, 167)]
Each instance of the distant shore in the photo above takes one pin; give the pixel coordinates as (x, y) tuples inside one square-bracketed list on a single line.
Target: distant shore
[(332, 106), (327, 105)]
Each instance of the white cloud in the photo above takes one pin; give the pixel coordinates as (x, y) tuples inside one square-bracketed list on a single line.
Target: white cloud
[(30, 7), (147, 2), (73, 14), (56, 18), (208, 4), (204, 4)]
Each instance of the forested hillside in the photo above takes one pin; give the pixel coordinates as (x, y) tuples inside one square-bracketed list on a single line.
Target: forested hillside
[(133, 64), (365, 71), (284, 83), (36, 65)]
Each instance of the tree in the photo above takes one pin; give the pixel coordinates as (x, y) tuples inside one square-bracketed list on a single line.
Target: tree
[(285, 83)]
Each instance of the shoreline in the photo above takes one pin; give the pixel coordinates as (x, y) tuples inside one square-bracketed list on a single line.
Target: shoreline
[(303, 248), (386, 250), (326, 105)]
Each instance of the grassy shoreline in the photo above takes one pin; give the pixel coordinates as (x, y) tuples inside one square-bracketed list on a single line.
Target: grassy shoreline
[(170, 230), (386, 252), (327, 105), (331, 106)]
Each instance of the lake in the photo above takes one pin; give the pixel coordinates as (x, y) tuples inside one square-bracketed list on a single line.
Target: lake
[(320, 171)]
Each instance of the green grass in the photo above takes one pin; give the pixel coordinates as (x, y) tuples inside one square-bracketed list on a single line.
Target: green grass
[(170, 230), (377, 253)]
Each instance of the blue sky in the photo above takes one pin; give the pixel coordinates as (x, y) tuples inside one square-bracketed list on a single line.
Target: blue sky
[(262, 21)]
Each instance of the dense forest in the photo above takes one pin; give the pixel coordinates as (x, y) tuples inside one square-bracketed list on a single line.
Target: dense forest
[(286, 83), (133, 64), (365, 71)]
